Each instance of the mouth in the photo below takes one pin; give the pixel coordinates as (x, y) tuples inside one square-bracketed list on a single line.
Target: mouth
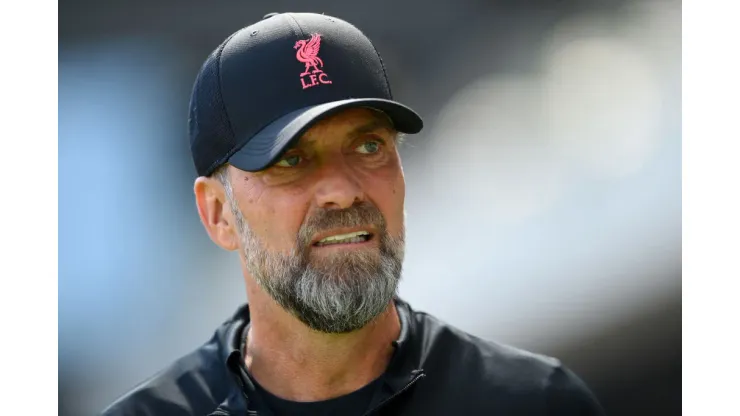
[(350, 238)]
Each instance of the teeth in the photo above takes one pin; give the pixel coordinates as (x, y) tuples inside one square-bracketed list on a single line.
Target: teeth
[(355, 237)]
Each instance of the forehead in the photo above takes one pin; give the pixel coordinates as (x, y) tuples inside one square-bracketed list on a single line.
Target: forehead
[(349, 122)]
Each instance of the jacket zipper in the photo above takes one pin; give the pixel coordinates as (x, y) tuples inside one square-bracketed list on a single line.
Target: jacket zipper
[(396, 394)]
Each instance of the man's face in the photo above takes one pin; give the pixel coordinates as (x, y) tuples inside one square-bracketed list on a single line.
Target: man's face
[(322, 230)]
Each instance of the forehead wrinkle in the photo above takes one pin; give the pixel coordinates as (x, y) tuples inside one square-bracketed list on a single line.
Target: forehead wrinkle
[(313, 135)]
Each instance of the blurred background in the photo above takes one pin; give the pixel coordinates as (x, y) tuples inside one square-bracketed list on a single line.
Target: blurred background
[(544, 194)]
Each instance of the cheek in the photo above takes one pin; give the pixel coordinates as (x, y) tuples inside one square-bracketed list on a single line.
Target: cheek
[(387, 189), (276, 218), (398, 197)]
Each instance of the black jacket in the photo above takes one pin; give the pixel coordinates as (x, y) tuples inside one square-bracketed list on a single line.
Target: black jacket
[(436, 370)]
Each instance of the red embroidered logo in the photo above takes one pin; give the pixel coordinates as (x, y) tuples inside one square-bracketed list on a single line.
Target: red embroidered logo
[(308, 53)]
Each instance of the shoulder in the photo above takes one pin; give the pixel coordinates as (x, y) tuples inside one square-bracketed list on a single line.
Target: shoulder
[(566, 393), (503, 375), (194, 384), (494, 362)]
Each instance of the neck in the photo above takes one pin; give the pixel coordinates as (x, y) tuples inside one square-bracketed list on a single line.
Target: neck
[(297, 363)]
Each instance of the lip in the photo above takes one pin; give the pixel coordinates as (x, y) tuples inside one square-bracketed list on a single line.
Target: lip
[(335, 231), (345, 246)]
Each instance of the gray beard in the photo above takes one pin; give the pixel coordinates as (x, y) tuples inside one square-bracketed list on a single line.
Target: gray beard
[(333, 295)]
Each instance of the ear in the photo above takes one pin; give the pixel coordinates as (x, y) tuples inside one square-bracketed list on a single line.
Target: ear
[(215, 213)]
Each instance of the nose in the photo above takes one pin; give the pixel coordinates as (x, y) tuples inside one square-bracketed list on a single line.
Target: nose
[(338, 187)]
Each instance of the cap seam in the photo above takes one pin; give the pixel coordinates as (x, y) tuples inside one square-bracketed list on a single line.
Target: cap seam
[(220, 52), (300, 29), (382, 65)]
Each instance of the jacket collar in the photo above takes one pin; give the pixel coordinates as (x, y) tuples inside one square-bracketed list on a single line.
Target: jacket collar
[(402, 370)]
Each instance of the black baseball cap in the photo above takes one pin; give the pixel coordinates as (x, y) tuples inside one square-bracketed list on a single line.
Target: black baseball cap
[(268, 83)]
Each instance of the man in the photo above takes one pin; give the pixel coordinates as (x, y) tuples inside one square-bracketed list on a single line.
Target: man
[(294, 135)]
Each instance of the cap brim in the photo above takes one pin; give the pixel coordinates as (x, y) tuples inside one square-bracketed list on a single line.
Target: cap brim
[(264, 148)]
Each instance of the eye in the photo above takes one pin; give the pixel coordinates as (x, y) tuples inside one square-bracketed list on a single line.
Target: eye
[(289, 161), (369, 147)]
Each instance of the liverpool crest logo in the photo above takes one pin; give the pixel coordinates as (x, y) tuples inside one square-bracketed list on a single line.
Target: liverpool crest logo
[(308, 54)]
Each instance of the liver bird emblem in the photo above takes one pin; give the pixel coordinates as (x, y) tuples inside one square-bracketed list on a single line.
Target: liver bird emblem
[(308, 52)]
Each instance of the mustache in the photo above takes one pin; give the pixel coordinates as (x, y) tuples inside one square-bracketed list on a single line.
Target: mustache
[(364, 213)]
